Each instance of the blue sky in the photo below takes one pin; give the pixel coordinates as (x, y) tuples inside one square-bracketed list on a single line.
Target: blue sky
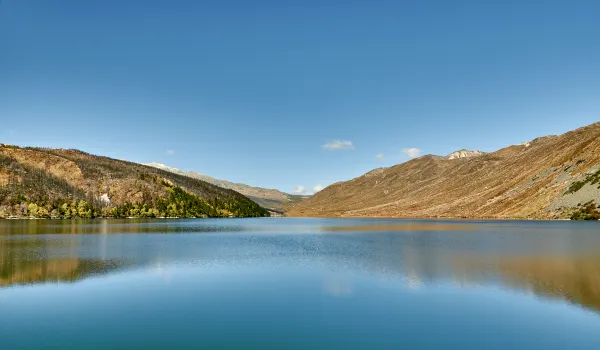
[(254, 91)]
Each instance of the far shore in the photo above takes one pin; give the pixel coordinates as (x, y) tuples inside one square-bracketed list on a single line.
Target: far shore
[(313, 217)]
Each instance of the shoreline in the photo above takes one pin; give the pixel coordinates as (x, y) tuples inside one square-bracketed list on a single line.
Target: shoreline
[(306, 217)]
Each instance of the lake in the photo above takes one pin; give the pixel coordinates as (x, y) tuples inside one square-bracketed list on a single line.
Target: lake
[(291, 283)]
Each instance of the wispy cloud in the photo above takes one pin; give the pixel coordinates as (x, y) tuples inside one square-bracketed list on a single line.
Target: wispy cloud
[(170, 152), (380, 156), (412, 152), (318, 188), (299, 190), (338, 145), (305, 191)]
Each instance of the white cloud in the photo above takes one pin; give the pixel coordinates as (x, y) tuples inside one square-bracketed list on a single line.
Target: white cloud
[(379, 156), (338, 145), (412, 152), (317, 188), (170, 152), (299, 190)]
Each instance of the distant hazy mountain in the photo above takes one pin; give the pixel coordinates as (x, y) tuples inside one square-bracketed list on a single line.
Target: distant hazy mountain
[(549, 177), (266, 198)]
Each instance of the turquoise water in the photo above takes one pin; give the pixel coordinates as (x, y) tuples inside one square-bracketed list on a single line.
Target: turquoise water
[(285, 283)]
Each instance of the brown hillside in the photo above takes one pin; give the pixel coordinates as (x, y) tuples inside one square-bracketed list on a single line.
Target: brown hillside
[(59, 183), (545, 178)]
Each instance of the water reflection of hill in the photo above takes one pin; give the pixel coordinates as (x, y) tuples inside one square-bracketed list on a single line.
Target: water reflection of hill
[(111, 226), (572, 275), (552, 261), (24, 262), (56, 270), (574, 279)]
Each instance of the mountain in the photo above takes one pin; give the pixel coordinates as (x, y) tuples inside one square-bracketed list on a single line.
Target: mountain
[(59, 183), (547, 178), (464, 153), (266, 198)]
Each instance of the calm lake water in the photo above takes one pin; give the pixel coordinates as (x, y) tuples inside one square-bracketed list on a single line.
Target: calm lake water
[(285, 283)]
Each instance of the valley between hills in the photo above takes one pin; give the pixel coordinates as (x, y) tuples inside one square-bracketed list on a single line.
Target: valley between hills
[(551, 177), (276, 201)]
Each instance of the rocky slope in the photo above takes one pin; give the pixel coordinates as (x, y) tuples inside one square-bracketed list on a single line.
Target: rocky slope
[(58, 183), (267, 198), (464, 153), (549, 177)]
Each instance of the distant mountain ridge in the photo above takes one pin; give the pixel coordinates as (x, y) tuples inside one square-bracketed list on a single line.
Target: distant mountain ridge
[(267, 198), (549, 177)]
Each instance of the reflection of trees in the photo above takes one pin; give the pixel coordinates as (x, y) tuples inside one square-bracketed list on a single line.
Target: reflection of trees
[(25, 262), (119, 226), (55, 270)]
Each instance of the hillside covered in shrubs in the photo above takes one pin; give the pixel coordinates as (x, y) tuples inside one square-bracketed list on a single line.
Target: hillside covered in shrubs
[(57, 183)]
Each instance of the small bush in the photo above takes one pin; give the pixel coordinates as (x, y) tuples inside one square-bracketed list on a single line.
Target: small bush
[(587, 212)]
